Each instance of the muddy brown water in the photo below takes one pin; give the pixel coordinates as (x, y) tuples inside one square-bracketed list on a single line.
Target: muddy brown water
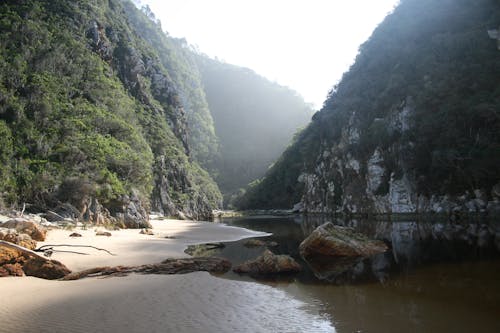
[(431, 286)]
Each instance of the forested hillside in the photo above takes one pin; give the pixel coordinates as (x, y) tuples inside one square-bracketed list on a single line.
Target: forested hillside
[(255, 119), (94, 116), (412, 126)]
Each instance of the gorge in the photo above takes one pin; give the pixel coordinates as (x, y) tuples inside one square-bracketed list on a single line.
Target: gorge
[(388, 196)]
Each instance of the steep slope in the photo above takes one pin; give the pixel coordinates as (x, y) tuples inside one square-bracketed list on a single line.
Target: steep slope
[(254, 121), (179, 59), (90, 115), (412, 127)]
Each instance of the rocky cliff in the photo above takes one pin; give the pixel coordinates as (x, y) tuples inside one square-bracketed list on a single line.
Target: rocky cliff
[(412, 127), (96, 119)]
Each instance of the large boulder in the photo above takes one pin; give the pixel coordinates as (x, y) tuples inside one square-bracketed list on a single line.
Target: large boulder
[(269, 264), (10, 262), (336, 241), (8, 256), (24, 226), (339, 254), (45, 269)]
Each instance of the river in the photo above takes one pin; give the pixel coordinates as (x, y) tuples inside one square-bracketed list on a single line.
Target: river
[(429, 286)]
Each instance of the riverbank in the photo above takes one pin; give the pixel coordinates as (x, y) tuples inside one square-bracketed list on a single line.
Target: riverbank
[(170, 238), (192, 302)]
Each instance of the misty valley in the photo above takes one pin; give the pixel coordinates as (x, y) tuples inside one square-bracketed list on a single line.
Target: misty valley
[(146, 186)]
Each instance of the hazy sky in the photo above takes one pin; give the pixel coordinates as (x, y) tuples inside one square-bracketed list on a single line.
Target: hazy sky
[(303, 44)]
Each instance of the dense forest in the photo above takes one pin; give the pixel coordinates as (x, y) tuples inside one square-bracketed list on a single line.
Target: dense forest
[(413, 125), (92, 113), (103, 113)]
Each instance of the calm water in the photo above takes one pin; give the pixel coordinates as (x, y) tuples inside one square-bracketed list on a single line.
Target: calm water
[(431, 284)]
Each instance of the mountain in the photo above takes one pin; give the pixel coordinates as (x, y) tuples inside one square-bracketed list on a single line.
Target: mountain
[(413, 126), (102, 115), (254, 120)]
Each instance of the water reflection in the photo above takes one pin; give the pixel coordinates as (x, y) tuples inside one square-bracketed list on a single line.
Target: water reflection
[(438, 276), (437, 298)]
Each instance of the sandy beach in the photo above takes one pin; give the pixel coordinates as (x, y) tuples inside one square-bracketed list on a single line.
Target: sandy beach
[(170, 239), (195, 302)]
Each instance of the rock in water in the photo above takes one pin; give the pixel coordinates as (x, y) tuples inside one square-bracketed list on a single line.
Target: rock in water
[(269, 264), (32, 229), (258, 243), (337, 253), (336, 241)]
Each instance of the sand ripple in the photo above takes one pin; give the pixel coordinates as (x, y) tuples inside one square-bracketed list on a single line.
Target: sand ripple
[(194, 302)]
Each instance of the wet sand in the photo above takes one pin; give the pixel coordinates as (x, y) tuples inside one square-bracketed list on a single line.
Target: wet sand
[(196, 302)]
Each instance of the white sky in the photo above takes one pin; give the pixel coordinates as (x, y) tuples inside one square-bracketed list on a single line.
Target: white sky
[(304, 44)]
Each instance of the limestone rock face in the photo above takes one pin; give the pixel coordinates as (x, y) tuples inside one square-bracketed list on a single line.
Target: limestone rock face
[(34, 230), (269, 264)]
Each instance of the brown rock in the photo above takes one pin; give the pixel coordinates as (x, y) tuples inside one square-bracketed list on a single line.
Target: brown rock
[(338, 254), (103, 233), (259, 242), (75, 234), (13, 236), (254, 243), (268, 264), (48, 269), (34, 230), (146, 232), (196, 264), (11, 270), (9, 256), (336, 241)]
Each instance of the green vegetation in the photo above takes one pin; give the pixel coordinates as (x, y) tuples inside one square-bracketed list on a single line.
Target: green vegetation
[(84, 96), (433, 57), (179, 60)]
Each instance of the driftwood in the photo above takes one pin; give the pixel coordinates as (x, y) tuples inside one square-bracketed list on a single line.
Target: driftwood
[(168, 266), (22, 249), (61, 217), (49, 249)]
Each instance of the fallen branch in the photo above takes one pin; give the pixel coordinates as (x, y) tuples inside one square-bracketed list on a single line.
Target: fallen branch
[(22, 249), (50, 250), (50, 247), (61, 217), (168, 266)]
